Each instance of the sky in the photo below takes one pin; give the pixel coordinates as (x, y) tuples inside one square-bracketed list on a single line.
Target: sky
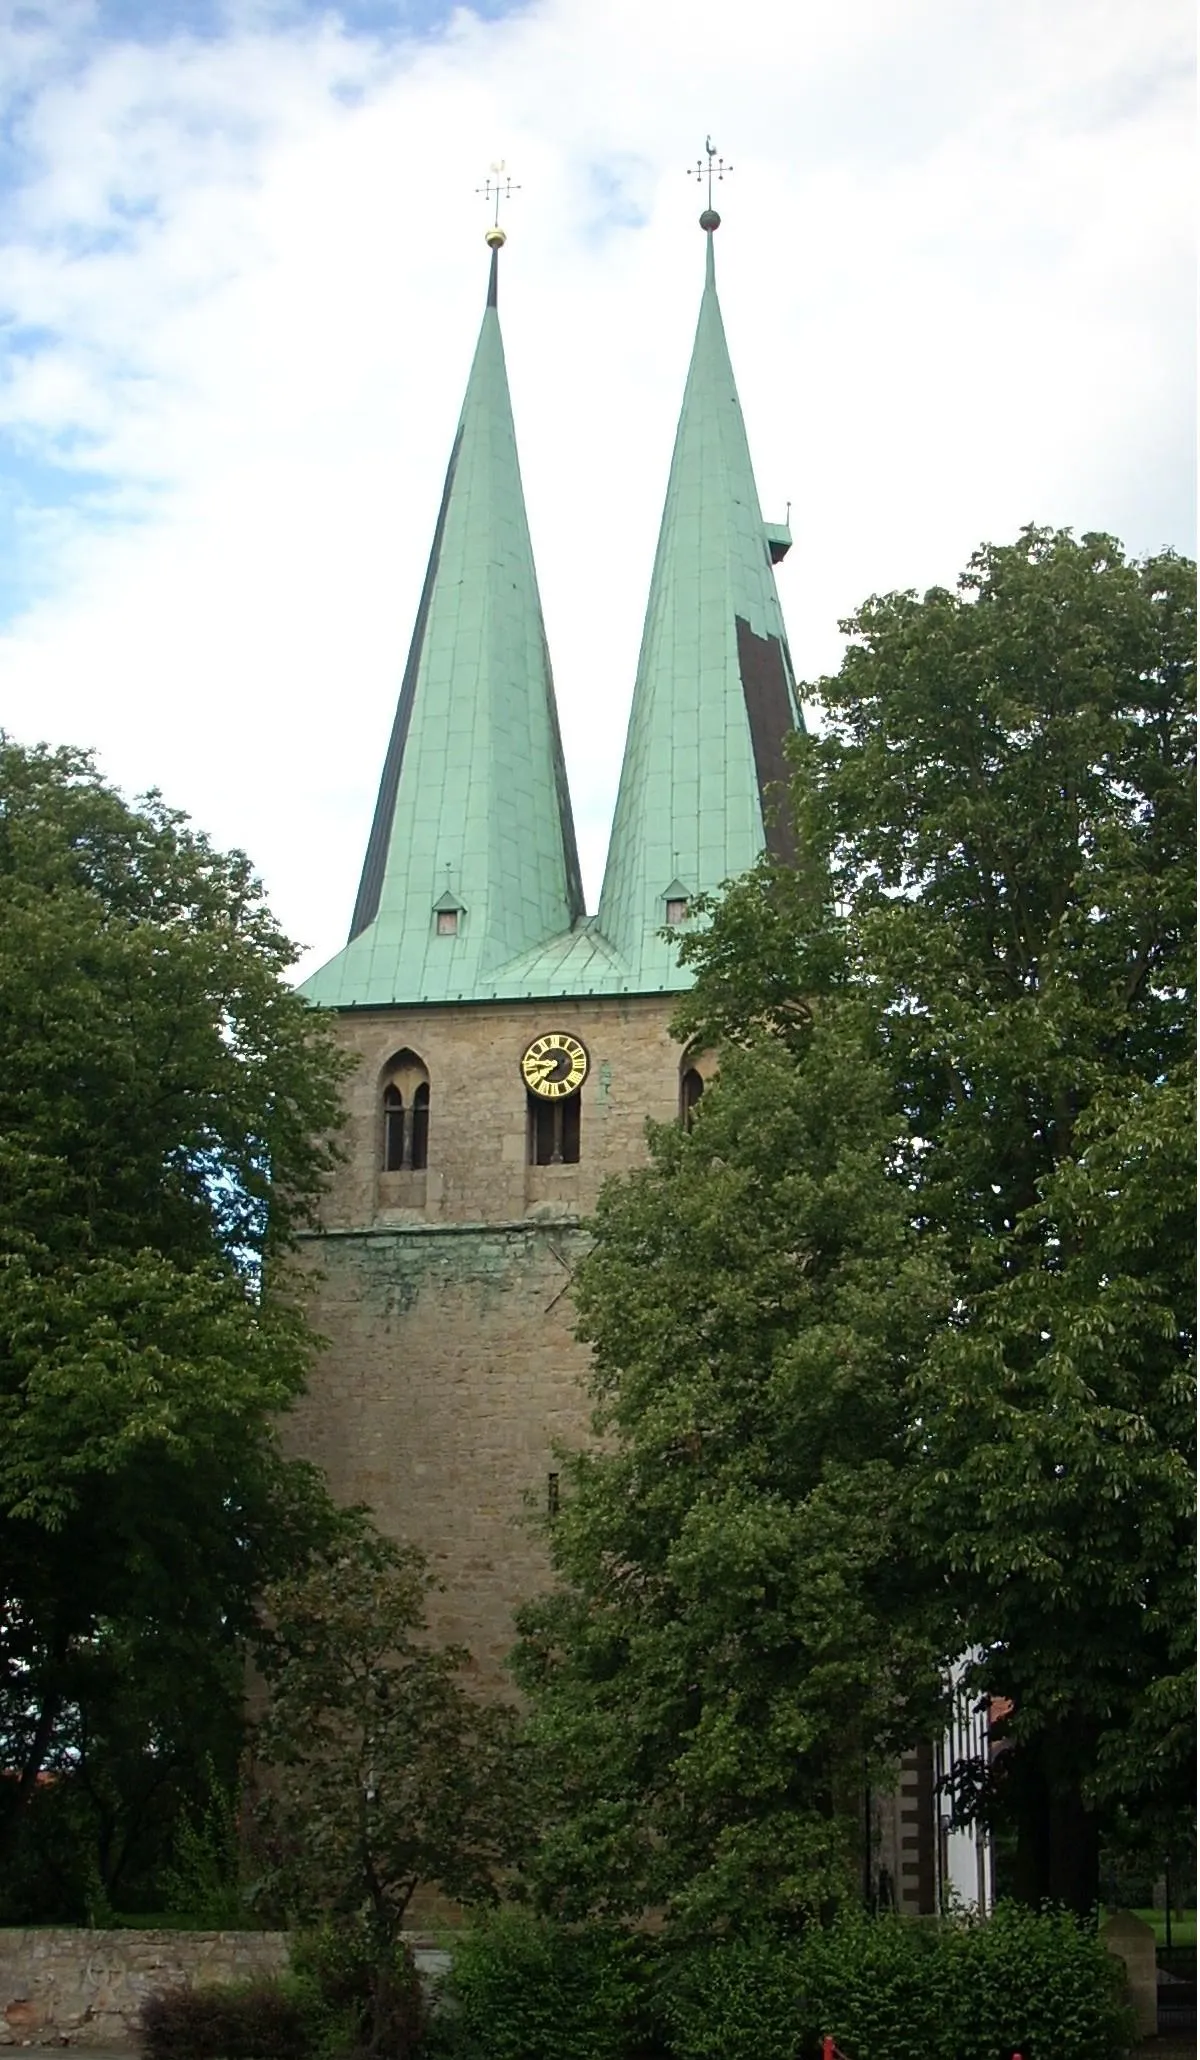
[(242, 271)]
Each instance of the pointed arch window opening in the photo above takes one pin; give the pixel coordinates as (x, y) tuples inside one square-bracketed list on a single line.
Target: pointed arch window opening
[(691, 1087), (553, 1130), (405, 1114), (419, 1129), (393, 1130)]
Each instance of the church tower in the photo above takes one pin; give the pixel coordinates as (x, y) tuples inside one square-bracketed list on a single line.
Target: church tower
[(509, 1046)]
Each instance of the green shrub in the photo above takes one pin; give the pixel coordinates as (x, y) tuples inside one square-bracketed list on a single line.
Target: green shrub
[(201, 1882), (733, 1999), (886, 1988), (1044, 1985), (260, 2021), (357, 1996), (524, 1989), (898, 1989)]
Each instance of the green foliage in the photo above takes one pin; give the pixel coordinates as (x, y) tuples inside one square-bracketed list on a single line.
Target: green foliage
[(526, 1988), (159, 1084), (523, 1988), (1003, 799), (1046, 1984), (381, 1771), (260, 2021), (202, 1880), (739, 1997), (735, 1640), (891, 1989), (340, 2000), (359, 1997)]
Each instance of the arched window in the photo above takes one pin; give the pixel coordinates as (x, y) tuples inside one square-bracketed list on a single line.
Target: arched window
[(553, 1130), (420, 1128), (393, 1129), (691, 1087), (404, 1145)]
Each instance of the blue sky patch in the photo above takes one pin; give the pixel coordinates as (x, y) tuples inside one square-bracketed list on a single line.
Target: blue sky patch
[(34, 493), (155, 21)]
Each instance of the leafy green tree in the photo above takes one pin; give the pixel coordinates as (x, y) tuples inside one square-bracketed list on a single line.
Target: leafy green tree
[(1004, 800), (381, 1772), (737, 1643), (167, 1111)]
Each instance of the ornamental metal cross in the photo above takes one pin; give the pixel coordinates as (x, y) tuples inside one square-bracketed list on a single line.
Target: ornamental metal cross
[(712, 169), (497, 187)]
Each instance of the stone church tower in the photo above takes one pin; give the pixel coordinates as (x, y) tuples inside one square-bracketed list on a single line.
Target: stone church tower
[(510, 1046)]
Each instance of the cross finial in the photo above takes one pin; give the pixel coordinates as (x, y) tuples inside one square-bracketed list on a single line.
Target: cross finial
[(714, 168), (496, 187)]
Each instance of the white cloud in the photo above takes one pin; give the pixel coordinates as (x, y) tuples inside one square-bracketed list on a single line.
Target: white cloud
[(953, 276)]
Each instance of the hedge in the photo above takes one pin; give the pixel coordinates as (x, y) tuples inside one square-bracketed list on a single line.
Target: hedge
[(886, 1988), (524, 1989)]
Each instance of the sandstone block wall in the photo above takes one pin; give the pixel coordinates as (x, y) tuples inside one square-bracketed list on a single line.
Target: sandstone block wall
[(85, 1988), (451, 1369), (478, 1167)]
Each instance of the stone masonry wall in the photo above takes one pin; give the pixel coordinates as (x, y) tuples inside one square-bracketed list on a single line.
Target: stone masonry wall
[(451, 1368), (85, 1988)]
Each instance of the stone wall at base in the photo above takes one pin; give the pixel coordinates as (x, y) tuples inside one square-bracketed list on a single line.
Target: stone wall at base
[(85, 1988)]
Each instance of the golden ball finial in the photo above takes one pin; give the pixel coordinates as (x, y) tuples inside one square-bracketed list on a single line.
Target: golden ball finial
[(495, 237)]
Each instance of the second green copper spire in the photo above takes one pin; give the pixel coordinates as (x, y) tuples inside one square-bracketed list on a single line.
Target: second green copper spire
[(715, 699)]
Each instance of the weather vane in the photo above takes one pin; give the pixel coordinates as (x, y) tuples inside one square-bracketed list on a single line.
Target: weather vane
[(715, 168), (497, 187)]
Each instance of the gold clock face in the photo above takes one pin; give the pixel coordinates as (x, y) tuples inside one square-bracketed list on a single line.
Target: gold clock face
[(554, 1065)]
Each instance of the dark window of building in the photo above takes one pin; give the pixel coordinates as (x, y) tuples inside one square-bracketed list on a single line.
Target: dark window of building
[(447, 922), (405, 1108), (420, 1128), (393, 1129), (691, 1087), (552, 1495), (677, 911), (554, 1131)]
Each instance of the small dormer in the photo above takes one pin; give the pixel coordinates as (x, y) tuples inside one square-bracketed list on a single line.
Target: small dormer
[(676, 904), (779, 540), (448, 914)]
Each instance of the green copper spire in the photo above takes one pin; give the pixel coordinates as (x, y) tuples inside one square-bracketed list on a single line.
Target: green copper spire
[(715, 698), (471, 860)]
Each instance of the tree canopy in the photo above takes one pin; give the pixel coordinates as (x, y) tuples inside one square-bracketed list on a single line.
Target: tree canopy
[(384, 1773), (380, 1772), (995, 827), (735, 1648), (168, 1111)]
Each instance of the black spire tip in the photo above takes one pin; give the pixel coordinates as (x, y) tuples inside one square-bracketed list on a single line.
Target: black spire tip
[(710, 220)]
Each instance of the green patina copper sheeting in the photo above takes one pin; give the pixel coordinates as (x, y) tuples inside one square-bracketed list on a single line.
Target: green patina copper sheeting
[(712, 705), (473, 813), (473, 804)]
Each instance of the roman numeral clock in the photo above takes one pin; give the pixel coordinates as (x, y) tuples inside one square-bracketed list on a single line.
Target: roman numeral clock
[(554, 1064)]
